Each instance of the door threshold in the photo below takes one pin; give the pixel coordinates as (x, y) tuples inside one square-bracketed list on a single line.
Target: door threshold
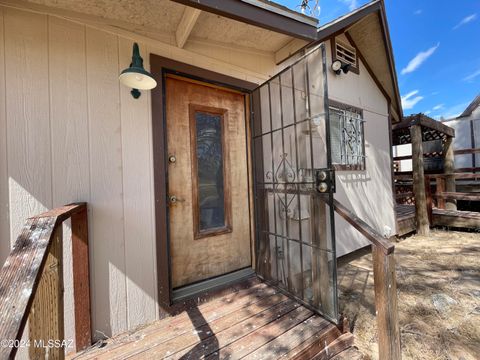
[(188, 291)]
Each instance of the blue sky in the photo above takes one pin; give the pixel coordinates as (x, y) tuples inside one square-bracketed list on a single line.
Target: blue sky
[(436, 46)]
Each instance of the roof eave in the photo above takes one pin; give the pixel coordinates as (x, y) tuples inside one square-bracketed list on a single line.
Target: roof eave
[(343, 23), (261, 14)]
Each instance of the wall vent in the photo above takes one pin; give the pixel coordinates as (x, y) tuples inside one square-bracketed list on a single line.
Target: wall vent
[(346, 54)]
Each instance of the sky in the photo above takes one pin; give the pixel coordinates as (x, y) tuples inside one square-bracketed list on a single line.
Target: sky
[(436, 47)]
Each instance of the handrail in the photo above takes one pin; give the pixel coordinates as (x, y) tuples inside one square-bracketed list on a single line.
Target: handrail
[(384, 283), (467, 151), (457, 175), (365, 229), (404, 195), (32, 278), (458, 196)]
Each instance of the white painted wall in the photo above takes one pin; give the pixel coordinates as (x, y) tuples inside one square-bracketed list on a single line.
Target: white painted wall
[(367, 193), (463, 138), (403, 150), (70, 132)]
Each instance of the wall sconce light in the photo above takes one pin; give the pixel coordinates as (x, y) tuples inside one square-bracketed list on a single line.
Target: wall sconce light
[(338, 67), (136, 77)]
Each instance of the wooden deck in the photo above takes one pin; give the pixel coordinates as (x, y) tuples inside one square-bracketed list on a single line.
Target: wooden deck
[(256, 322), (441, 217)]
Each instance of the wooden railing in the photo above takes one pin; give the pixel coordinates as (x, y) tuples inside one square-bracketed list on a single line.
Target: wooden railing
[(384, 282), (31, 286)]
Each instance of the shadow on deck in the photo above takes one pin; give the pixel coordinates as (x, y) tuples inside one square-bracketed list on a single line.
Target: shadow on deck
[(252, 320)]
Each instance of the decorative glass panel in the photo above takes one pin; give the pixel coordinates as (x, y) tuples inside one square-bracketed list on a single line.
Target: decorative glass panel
[(210, 214)]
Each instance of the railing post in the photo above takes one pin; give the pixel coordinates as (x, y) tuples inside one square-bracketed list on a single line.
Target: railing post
[(81, 280), (449, 169), (439, 192), (386, 304), (428, 194), (421, 215), (46, 321)]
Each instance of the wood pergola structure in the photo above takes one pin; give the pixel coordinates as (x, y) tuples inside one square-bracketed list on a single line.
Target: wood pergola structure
[(415, 130)]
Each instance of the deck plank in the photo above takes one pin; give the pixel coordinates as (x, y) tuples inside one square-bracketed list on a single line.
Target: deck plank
[(340, 344), (258, 322), (289, 340), (191, 336), (262, 335), (234, 333), (182, 323), (313, 345)]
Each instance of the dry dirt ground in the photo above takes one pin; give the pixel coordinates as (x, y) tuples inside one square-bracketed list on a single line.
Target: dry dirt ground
[(438, 284)]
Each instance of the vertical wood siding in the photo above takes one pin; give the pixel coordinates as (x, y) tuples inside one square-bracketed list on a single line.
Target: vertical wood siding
[(28, 116), (106, 185), (75, 134), (137, 197), (4, 213), (68, 118)]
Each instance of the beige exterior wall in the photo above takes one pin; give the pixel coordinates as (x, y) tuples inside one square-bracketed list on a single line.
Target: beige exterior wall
[(367, 193), (70, 132)]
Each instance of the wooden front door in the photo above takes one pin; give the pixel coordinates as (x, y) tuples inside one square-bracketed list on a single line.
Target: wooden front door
[(207, 181)]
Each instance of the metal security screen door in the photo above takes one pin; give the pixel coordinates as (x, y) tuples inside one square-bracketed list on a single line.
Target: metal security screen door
[(294, 184)]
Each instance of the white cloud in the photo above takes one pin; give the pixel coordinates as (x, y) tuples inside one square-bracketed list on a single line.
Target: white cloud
[(465, 20), (417, 12), (472, 76), (438, 107), (410, 100), (352, 4), (419, 59), (452, 112), (427, 112)]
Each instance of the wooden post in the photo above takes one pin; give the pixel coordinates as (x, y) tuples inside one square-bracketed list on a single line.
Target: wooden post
[(322, 291), (428, 194), (439, 191), (423, 227), (449, 169), (386, 304), (81, 280), (46, 316)]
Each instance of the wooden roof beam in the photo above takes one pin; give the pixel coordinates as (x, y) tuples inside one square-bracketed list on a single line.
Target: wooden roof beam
[(185, 27), (291, 48), (259, 13)]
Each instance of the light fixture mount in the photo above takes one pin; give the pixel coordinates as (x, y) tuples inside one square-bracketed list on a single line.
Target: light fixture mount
[(337, 67), (135, 76)]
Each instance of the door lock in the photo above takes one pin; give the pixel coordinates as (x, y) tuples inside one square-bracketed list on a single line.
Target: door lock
[(172, 159), (325, 180), (172, 199)]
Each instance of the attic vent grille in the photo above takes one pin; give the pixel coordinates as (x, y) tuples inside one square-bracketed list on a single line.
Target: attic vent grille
[(346, 54)]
